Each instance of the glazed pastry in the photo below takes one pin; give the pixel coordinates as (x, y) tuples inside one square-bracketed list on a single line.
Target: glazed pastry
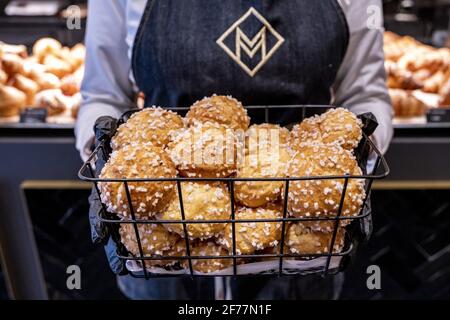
[(53, 100), (56, 66), (204, 151), (263, 158), (321, 198), (201, 201), (224, 110), (11, 101), (44, 47), (149, 125), (138, 161), (303, 238), (252, 236), (27, 86), (208, 248), (405, 104)]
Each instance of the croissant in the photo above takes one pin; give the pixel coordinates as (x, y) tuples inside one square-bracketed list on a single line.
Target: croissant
[(47, 81), (3, 77), (405, 104), (78, 53), (11, 101), (53, 100), (71, 84), (12, 64), (422, 59), (19, 50), (44, 47), (434, 83), (444, 94), (27, 86), (400, 79), (57, 66)]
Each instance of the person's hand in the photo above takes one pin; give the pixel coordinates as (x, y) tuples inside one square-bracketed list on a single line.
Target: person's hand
[(101, 233)]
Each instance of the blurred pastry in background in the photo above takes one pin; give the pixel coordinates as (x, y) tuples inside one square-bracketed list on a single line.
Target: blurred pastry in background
[(26, 85), (11, 101), (405, 104), (44, 47)]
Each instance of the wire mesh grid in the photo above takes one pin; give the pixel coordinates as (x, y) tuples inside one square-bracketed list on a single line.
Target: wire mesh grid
[(379, 171)]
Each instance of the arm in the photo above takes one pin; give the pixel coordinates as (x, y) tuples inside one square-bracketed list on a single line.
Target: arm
[(361, 81), (106, 87)]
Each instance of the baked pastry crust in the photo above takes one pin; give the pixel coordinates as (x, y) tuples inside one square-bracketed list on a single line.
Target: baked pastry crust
[(405, 104), (155, 240), (208, 248), (342, 127), (306, 132), (201, 201), (252, 236), (53, 100), (149, 125), (11, 101), (262, 158), (46, 46), (224, 110), (321, 198), (138, 161), (12, 64), (336, 126), (303, 238), (27, 86), (204, 151)]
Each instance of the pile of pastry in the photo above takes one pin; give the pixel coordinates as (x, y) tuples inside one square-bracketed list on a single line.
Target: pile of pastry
[(215, 140), (412, 66), (49, 78)]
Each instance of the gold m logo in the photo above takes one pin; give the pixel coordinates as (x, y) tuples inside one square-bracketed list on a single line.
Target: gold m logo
[(251, 46)]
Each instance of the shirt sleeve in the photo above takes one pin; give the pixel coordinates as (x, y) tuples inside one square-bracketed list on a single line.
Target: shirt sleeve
[(361, 81), (106, 88)]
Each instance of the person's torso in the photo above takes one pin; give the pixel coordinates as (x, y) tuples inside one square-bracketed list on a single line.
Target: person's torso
[(261, 52)]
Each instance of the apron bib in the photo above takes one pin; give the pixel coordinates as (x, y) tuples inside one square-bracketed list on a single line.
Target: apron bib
[(261, 52)]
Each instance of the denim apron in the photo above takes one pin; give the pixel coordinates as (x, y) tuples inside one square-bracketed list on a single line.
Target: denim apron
[(262, 52)]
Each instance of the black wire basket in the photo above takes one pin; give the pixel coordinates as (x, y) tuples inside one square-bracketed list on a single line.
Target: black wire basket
[(280, 263)]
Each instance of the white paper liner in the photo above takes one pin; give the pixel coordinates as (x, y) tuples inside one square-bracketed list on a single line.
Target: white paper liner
[(264, 267)]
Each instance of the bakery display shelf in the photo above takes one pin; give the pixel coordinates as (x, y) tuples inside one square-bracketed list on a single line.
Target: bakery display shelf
[(282, 263), (32, 130)]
